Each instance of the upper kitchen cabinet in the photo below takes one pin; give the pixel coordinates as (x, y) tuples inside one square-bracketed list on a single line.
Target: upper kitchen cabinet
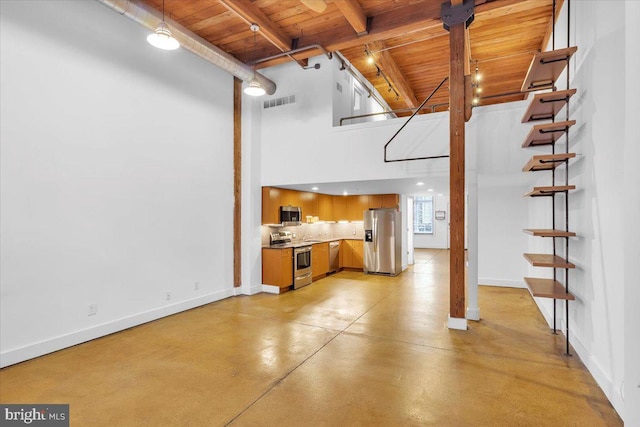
[(325, 207), (390, 201), (270, 205), (377, 201), (340, 208), (309, 204), (356, 205), (289, 198)]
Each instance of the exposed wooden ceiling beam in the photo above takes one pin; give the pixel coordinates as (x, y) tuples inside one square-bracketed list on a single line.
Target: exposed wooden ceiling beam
[(386, 62), (354, 14), (395, 23), (253, 15)]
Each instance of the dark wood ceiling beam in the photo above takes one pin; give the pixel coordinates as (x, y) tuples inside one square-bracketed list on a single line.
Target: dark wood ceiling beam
[(386, 62), (354, 14), (253, 15)]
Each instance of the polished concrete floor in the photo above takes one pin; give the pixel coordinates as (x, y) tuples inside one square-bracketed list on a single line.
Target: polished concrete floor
[(348, 350)]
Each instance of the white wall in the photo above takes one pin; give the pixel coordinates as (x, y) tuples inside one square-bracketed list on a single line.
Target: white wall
[(631, 209), (496, 133), (116, 176)]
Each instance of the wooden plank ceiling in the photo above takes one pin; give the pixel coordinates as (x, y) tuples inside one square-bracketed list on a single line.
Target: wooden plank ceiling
[(405, 38)]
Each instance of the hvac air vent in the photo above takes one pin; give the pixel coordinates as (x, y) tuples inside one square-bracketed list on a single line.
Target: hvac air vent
[(277, 102)]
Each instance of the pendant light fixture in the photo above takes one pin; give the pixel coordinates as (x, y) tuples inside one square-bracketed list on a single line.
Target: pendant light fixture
[(161, 37), (254, 88)]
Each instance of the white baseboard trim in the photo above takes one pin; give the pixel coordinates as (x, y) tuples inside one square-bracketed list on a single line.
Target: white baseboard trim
[(484, 281), (473, 313), (270, 289), (249, 290), (613, 393), (457, 323), (11, 357)]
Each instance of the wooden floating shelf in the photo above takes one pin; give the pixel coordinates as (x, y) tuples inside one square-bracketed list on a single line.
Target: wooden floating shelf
[(545, 106), (546, 162), (547, 288), (546, 67), (547, 134), (548, 233), (545, 260), (549, 191)]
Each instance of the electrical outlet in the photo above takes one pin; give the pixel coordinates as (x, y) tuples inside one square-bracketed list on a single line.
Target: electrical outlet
[(354, 232), (93, 309), (196, 286), (167, 296)]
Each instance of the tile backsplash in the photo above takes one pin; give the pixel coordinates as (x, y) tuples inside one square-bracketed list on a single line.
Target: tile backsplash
[(319, 230)]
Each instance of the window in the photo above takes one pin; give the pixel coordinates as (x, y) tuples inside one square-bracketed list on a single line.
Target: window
[(423, 215)]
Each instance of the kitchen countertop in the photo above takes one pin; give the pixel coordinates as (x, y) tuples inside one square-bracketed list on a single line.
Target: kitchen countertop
[(300, 244)]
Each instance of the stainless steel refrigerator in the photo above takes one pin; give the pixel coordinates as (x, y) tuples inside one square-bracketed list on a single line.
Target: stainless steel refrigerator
[(382, 242)]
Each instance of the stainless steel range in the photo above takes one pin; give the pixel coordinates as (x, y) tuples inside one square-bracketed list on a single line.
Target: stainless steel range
[(301, 266), (301, 257)]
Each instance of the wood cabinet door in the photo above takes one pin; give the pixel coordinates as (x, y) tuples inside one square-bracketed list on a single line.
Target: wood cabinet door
[(308, 204), (375, 201), (358, 254), (319, 259), (390, 201), (271, 205), (340, 208), (346, 253), (286, 268), (289, 197), (271, 267), (325, 207)]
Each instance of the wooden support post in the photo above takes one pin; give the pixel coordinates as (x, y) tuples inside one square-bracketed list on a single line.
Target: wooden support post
[(456, 176), (237, 181)]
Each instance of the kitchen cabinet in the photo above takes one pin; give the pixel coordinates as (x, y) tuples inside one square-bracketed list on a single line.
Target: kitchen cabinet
[(271, 205), (375, 201), (289, 197), (325, 207), (340, 208), (390, 201), (277, 268), (358, 254), (308, 204), (356, 205), (319, 260), (352, 254)]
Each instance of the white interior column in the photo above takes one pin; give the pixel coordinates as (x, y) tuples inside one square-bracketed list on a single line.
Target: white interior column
[(473, 311)]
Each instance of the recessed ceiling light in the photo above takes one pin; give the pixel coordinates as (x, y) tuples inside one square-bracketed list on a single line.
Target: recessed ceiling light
[(430, 189), (440, 194), (420, 183)]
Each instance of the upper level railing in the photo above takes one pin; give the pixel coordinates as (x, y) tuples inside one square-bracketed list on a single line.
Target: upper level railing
[(431, 108)]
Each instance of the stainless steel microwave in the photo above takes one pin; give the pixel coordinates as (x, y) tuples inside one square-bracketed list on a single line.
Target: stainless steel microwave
[(290, 215)]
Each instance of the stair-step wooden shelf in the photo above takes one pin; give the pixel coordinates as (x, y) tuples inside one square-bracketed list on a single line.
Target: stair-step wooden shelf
[(547, 162), (545, 106), (548, 260), (547, 288), (547, 134), (546, 67), (549, 191), (548, 233)]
